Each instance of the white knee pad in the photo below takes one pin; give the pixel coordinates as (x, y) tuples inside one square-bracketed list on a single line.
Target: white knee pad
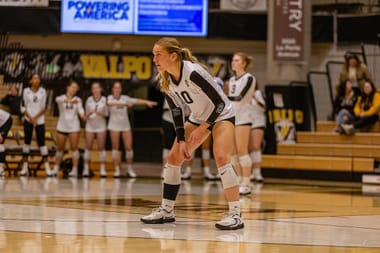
[(245, 161), (205, 154), (129, 154), (115, 154), (26, 149), (172, 174), (235, 161), (102, 156), (76, 154), (256, 156), (165, 153), (87, 155), (58, 154), (228, 176), (2, 148), (44, 151)]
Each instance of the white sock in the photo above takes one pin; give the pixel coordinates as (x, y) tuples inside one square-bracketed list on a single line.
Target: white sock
[(234, 206), (47, 166), (167, 204)]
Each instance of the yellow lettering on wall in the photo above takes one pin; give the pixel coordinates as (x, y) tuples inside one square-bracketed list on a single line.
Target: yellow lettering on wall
[(95, 66), (113, 67), (299, 117), (270, 117), (277, 115), (144, 68)]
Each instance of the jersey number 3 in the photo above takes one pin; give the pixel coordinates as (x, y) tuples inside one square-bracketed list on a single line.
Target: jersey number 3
[(186, 97)]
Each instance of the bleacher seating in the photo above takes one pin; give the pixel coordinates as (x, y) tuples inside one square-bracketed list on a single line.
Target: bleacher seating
[(325, 150)]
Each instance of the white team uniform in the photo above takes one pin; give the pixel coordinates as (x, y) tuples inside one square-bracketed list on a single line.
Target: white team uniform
[(240, 93), (197, 89), (33, 103), (258, 110), (166, 114), (119, 120), (68, 120), (4, 116), (96, 123)]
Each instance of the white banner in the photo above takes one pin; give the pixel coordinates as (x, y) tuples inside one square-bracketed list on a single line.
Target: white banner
[(31, 3), (244, 5)]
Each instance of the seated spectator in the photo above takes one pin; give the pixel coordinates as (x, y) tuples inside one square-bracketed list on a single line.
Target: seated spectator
[(13, 101), (355, 71), (344, 105), (366, 109)]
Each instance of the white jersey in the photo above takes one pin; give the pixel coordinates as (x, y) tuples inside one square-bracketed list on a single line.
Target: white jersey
[(240, 92), (197, 89), (166, 114), (4, 116), (96, 123), (258, 110), (68, 120), (119, 120), (33, 103)]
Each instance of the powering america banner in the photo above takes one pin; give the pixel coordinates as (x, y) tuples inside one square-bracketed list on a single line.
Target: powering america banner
[(25, 3)]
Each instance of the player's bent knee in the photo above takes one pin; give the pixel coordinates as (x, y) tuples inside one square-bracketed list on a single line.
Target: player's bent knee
[(172, 174), (76, 154), (228, 176), (245, 161), (256, 156)]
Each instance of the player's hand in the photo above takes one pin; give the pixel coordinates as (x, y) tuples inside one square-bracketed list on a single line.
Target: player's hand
[(83, 117), (197, 136), (33, 121), (184, 151), (1, 138), (151, 104)]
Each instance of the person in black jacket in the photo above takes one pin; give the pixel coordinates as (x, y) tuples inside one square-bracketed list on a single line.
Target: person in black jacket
[(344, 104), (13, 101)]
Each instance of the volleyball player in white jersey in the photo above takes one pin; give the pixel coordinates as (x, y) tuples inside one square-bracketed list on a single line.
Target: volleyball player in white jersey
[(241, 88), (185, 81), (206, 156), (96, 112), (33, 106), (68, 127), (119, 125), (5, 126), (257, 134)]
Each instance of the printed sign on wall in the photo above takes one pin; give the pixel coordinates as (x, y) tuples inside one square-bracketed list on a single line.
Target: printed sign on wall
[(288, 31)]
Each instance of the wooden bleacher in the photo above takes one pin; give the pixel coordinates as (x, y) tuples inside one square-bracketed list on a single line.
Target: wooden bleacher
[(325, 150)]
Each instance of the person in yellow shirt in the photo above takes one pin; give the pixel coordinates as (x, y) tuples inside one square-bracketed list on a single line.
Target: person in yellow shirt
[(366, 109)]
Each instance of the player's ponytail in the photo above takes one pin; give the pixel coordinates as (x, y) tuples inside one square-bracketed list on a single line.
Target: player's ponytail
[(172, 45)]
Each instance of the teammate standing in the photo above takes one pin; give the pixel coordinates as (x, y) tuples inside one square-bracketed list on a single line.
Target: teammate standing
[(241, 89), (33, 106), (257, 134), (185, 81), (96, 112), (68, 127), (119, 125), (5, 126)]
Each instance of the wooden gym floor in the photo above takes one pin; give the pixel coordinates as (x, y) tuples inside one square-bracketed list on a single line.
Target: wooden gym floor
[(102, 215)]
